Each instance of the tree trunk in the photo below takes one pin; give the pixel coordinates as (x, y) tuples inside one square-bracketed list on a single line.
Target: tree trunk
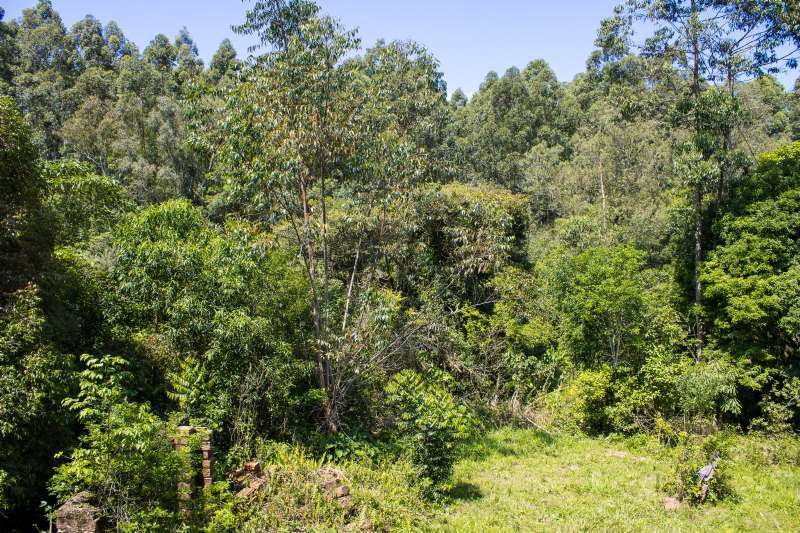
[(698, 187), (603, 200), (698, 258)]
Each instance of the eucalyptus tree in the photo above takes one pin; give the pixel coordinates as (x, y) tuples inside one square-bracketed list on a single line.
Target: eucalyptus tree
[(88, 39), (506, 118), (276, 22), (8, 51), (118, 45), (160, 52), (46, 64), (187, 56), (224, 62), (714, 42), (409, 92), (290, 131)]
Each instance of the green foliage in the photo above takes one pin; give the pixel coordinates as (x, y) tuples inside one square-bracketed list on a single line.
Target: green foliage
[(187, 285), (777, 172), (508, 117), (582, 405), (751, 283), (24, 239), (430, 426), (20, 182), (604, 307), (102, 385), (706, 387), (192, 388), (34, 378), (388, 494), (83, 204), (125, 457), (598, 256), (692, 457), (456, 234)]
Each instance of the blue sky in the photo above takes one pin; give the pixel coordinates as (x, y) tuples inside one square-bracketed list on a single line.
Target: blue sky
[(469, 38)]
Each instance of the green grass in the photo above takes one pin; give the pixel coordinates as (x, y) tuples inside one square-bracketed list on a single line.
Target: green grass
[(521, 480)]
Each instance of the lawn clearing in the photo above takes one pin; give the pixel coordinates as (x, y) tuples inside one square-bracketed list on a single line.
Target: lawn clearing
[(522, 480)]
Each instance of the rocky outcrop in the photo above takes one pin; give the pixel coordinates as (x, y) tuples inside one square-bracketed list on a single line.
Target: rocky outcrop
[(250, 477), (79, 514), (332, 485)]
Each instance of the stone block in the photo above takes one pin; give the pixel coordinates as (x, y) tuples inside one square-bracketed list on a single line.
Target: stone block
[(79, 515)]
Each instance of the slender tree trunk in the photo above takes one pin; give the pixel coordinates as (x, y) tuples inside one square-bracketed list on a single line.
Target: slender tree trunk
[(331, 414), (698, 258), (698, 187), (350, 287), (603, 200), (694, 28)]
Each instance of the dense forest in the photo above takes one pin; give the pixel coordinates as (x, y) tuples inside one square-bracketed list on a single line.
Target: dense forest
[(319, 256)]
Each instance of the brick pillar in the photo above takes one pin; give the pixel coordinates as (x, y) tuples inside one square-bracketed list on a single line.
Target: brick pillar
[(208, 460), (186, 481)]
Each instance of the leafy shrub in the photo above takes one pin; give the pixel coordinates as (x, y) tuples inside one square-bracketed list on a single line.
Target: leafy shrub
[(125, 457), (780, 407), (706, 388), (227, 303), (667, 434), (341, 446), (82, 203), (603, 305), (429, 426), (387, 494), (581, 405), (691, 458)]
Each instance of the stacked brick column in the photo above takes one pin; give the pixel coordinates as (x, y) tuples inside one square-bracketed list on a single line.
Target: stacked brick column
[(208, 460), (186, 484)]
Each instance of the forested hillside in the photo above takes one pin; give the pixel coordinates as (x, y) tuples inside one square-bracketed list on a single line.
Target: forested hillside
[(318, 255)]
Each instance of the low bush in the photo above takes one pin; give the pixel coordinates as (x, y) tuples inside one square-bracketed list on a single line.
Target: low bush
[(385, 495), (429, 426), (580, 406), (701, 471)]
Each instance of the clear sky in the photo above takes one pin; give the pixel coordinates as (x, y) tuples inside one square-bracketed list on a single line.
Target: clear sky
[(469, 38)]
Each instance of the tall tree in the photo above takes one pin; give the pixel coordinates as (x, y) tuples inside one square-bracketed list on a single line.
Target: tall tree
[(276, 22), (118, 45), (88, 39), (713, 41), (8, 50), (300, 107), (223, 62), (160, 52)]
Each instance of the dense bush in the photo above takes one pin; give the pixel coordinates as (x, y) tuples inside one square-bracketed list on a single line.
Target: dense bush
[(428, 424), (225, 301), (386, 494), (125, 457), (695, 458), (34, 378)]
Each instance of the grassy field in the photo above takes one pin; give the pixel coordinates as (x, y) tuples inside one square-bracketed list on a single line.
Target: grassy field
[(521, 480)]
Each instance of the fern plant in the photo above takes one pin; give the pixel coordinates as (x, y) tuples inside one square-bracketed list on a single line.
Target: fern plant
[(191, 388)]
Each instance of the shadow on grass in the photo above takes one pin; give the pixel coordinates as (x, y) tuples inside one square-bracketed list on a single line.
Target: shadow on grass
[(464, 492), (510, 444)]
